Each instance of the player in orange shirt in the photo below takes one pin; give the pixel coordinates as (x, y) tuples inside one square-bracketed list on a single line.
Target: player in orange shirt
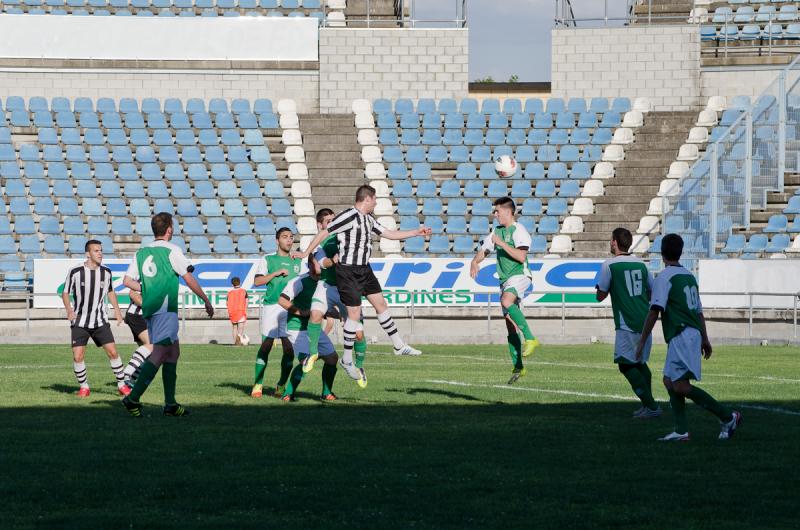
[(237, 310)]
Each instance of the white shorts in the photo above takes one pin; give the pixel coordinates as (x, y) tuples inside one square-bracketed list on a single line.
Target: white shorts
[(684, 355), (517, 284), (272, 321), (326, 297), (625, 347), (299, 340)]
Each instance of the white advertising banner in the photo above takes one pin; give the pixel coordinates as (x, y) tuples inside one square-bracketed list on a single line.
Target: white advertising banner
[(160, 38), (749, 276), (421, 282)]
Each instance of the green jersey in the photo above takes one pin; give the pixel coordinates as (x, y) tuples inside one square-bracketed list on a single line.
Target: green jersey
[(328, 249), (627, 280), (300, 292), (271, 263), (515, 236), (675, 293), (157, 267)]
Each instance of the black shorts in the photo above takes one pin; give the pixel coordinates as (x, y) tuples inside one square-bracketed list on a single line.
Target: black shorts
[(100, 336), (137, 325), (355, 281)]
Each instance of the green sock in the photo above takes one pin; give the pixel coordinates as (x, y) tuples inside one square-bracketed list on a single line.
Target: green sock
[(678, 405), (146, 374), (169, 375), (519, 319), (328, 374), (648, 376), (360, 347), (639, 385), (704, 399), (261, 361), (294, 380), (515, 349), (287, 359), (314, 331)]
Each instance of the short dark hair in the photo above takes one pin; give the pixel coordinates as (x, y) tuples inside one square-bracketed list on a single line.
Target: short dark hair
[(623, 238), (235, 281), (506, 202), (90, 243), (323, 213), (282, 230), (672, 247), (364, 191), (160, 222)]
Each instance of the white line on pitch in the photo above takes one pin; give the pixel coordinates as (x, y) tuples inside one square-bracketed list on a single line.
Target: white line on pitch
[(777, 410), (529, 389)]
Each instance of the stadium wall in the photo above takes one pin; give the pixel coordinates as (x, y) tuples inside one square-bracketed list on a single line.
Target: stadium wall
[(658, 62), (391, 63), (730, 82)]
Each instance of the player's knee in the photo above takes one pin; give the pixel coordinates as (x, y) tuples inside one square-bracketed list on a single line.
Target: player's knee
[(360, 335), (623, 368), (667, 383), (681, 387), (316, 316), (332, 359), (77, 356)]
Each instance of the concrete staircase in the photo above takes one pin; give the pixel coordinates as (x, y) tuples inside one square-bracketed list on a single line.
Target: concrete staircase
[(333, 157), (663, 11), (776, 202), (636, 180)]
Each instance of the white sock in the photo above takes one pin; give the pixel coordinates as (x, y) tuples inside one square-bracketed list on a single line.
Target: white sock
[(117, 368), (349, 332), (387, 323), (139, 356), (80, 374)]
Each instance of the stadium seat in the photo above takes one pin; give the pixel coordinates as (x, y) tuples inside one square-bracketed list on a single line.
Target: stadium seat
[(777, 223)]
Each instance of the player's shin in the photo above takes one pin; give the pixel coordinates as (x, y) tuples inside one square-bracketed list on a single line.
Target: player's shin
[(261, 360), (349, 331), (519, 319), (678, 404), (704, 399), (80, 374), (361, 351), (515, 348), (638, 384), (286, 366), (169, 376), (294, 381), (328, 374), (146, 374), (387, 323)]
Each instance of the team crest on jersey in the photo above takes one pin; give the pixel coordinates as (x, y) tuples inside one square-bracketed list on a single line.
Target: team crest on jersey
[(297, 269)]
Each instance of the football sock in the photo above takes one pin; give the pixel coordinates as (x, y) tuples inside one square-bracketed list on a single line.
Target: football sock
[(361, 352), (118, 369), (146, 374), (80, 374), (648, 376), (286, 366), (349, 332), (314, 331), (704, 399), (169, 375), (638, 384), (519, 319), (387, 323), (294, 380), (328, 374), (515, 349), (138, 357), (678, 405), (261, 360)]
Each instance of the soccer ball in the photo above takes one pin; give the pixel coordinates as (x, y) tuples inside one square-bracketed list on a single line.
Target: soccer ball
[(505, 166), (244, 339)]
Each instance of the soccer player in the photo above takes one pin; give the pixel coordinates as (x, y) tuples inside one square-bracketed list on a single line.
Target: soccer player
[(326, 297), (237, 309), (274, 271), (354, 276), (296, 299), (138, 327), (89, 284), (629, 283), (511, 241), (155, 272), (676, 299)]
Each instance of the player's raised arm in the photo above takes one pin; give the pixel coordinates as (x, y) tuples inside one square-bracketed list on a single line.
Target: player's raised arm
[(321, 235), (400, 235)]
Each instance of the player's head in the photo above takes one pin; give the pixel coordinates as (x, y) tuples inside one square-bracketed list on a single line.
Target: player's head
[(504, 209), (324, 216), (235, 281), (94, 251), (621, 241), (161, 223), (365, 198), (671, 247), (285, 239)]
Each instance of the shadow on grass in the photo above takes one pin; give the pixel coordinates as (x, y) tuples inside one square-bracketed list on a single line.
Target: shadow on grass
[(432, 392)]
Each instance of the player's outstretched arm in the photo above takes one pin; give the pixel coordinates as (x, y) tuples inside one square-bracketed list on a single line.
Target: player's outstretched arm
[(647, 329), (399, 235), (310, 248), (192, 284), (287, 304), (263, 279)]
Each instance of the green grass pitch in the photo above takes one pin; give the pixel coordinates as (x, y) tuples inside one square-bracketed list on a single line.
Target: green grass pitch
[(437, 441)]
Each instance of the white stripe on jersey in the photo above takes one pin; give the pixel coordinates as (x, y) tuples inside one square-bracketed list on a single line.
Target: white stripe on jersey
[(354, 233)]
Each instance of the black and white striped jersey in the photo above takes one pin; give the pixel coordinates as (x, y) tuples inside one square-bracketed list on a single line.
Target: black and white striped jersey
[(354, 231), (134, 309), (88, 289)]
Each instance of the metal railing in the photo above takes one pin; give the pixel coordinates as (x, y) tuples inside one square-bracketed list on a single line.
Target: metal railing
[(727, 42), (565, 14), (404, 15)]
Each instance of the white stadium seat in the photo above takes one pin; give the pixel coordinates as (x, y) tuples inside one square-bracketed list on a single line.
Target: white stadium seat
[(371, 153), (291, 137), (381, 188), (375, 170), (294, 153), (633, 119), (613, 153), (643, 105), (649, 224), (388, 222), (668, 188), (603, 170), (384, 207), (658, 206), (716, 103), (698, 15), (367, 137), (337, 4), (307, 226), (286, 106), (361, 105), (698, 135), (688, 153), (677, 170), (707, 118), (304, 207), (592, 188), (336, 19), (301, 189), (622, 136), (572, 225), (306, 240), (364, 120), (795, 246), (289, 121), (583, 205), (779, 255), (390, 246), (297, 171), (561, 244), (640, 245), (395, 255)]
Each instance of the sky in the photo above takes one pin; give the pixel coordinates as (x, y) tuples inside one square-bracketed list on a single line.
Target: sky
[(511, 37)]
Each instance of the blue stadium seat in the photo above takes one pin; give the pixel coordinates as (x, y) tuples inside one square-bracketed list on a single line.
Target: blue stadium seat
[(498, 120), (495, 137), (548, 225), (456, 207), (24, 224), (435, 223), (449, 188), (521, 189), (497, 188), (421, 171), (409, 120), (777, 223), (192, 226), (408, 222), (473, 137), (482, 206), (529, 223), (30, 244), (447, 105), (532, 207), (516, 137), (439, 244), (407, 206), (468, 105), (778, 243), (538, 245), (479, 225), (268, 244), (199, 245), (557, 207), (534, 171), (247, 244), (241, 225), (558, 137), (437, 154), (473, 189), (432, 206), (414, 245), (476, 121), (463, 245), (481, 154), (542, 120), (555, 106), (565, 120), (453, 121), (19, 205), (456, 225), (547, 153), (756, 244), (426, 188), (512, 106), (7, 245), (216, 226)]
